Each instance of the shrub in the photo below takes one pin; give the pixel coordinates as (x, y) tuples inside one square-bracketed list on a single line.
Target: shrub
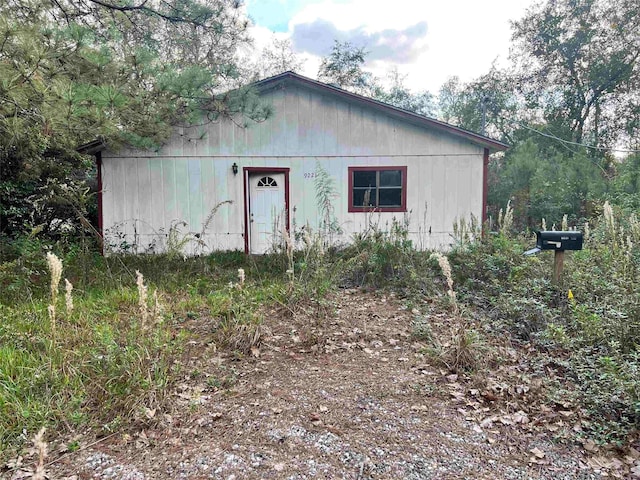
[(597, 330)]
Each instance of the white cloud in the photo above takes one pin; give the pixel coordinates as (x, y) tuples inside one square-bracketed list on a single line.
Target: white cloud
[(429, 40)]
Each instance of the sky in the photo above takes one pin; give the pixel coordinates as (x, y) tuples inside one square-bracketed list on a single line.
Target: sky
[(429, 41)]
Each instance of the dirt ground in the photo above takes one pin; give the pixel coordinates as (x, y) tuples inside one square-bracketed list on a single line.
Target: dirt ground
[(353, 398)]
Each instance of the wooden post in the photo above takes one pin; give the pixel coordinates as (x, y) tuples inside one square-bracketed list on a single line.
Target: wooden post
[(558, 265)]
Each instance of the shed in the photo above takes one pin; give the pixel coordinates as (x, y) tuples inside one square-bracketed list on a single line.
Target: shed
[(223, 186)]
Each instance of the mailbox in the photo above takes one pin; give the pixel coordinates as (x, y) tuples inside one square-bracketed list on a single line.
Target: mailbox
[(560, 241)]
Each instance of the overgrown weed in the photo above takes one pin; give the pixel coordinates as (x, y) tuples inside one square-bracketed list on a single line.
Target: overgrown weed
[(594, 331)]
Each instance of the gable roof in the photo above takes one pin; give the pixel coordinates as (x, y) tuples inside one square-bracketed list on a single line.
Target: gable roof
[(415, 118)]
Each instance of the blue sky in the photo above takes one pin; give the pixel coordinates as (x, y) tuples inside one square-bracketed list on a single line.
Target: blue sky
[(274, 14), (427, 40)]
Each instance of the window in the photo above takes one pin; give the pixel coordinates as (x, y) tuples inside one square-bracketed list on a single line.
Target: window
[(267, 182), (383, 189)]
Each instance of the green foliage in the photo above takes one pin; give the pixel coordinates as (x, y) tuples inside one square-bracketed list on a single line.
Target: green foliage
[(344, 67), (543, 180), (385, 256), (578, 65), (103, 366), (595, 334), (400, 96), (488, 104), (66, 79), (98, 367), (325, 194)]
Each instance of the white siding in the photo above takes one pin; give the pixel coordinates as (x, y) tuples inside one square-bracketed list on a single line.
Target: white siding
[(147, 193)]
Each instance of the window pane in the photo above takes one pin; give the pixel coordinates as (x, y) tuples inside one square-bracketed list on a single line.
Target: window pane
[(390, 178), (390, 197), (364, 179), (360, 195)]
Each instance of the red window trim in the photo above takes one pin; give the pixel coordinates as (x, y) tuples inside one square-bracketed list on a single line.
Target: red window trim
[(402, 208)]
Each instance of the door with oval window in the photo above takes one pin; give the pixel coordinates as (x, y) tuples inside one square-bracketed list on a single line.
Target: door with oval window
[(267, 211)]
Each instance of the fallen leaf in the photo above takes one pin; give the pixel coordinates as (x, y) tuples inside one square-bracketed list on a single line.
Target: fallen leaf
[(537, 452)]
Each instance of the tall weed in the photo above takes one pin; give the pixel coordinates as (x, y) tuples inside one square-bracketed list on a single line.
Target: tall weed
[(597, 327)]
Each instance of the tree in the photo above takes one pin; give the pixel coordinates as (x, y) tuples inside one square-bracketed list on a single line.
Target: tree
[(343, 67), (75, 70), (577, 62), (276, 58), (487, 105), (542, 179), (400, 96)]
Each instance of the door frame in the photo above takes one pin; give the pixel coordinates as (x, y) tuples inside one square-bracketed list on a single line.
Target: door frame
[(246, 171)]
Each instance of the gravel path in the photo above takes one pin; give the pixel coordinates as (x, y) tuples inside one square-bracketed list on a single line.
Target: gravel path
[(360, 401)]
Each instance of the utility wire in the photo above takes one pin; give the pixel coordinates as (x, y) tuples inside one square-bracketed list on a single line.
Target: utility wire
[(568, 142)]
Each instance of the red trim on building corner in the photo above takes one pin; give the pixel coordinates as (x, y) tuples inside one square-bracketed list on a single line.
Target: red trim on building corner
[(245, 182), (100, 210), (247, 197), (485, 187), (402, 208)]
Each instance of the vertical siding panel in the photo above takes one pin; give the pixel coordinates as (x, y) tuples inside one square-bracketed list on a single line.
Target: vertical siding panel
[(226, 137), (278, 142), (131, 192), (158, 212), (369, 132), (317, 122), (330, 126), (266, 145), (438, 192), (182, 189), (233, 214), (252, 137), (169, 192), (291, 106), (343, 128), (213, 138), (356, 132), (195, 194), (305, 132), (240, 138), (144, 222), (451, 194), (394, 136), (383, 135), (111, 191)]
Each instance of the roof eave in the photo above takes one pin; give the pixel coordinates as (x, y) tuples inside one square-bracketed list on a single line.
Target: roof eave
[(92, 147)]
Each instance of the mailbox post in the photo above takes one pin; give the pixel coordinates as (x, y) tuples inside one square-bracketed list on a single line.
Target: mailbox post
[(558, 242)]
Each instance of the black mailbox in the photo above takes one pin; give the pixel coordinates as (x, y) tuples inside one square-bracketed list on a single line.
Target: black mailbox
[(559, 240)]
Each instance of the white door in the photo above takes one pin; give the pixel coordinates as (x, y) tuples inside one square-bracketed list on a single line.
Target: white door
[(266, 211)]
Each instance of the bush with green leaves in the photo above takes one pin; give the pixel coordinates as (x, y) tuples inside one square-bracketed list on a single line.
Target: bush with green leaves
[(594, 331)]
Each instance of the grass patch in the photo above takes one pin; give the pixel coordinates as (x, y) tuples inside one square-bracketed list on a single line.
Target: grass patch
[(112, 356)]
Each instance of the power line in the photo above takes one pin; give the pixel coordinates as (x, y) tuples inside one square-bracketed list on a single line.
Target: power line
[(568, 142)]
